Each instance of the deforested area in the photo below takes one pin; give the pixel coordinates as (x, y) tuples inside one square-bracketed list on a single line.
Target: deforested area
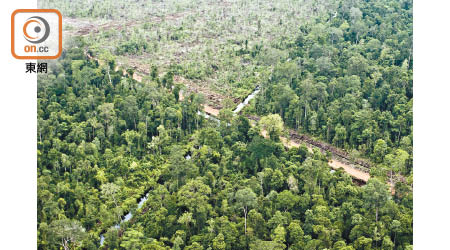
[(200, 124)]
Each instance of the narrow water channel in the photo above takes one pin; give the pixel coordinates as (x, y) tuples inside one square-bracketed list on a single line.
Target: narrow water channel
[(238, 109), (246, 101), (127, 217)]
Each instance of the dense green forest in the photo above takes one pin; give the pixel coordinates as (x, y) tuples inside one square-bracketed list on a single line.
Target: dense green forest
[(349, 81), (341, 73)]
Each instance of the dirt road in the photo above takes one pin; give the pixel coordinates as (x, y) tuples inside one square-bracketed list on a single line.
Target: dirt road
[(334, 163), (355, 173)]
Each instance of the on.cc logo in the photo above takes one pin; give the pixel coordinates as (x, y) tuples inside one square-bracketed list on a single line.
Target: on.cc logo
[(36, 34), (39, 26)]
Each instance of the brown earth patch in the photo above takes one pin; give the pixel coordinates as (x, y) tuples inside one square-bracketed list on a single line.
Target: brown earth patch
[(334, 163), (214, 100)]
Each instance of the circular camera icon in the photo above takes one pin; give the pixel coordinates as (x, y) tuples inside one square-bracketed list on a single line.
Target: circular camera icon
[(36, 29)]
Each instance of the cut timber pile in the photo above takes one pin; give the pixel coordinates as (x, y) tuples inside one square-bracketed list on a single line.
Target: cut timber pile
[(336, 163), (338, 154), (213, 99), (327, 147)]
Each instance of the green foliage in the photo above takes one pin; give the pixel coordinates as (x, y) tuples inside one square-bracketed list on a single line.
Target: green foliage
[(375, 195), (68, 233), (105, 140), (352, 83), (273, 125)]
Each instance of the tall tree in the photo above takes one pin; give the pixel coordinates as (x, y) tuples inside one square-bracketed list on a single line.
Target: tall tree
[(376, 194), (68, 233), (245, 199)]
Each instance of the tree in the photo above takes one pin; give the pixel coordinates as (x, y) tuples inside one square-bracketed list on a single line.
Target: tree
[(292, 183), (277, 219), (396, 228), (178, 167), (324, 64), (266, 245), (130, 110), (340, 245), (335, 35), (273, 124), (159, 142), (67, 233), (154, 72), (257, 223), (219, 242), (375, 195), (286, 200), (387, 244), (225, 116), (110, 191), (112, 238), (245, 199), (178, 243), (379, 150), (357, 65), (341, 135), (110, 63), (284, 95), (241, 125), (194, 246), (194, 196), (155, 245), (130, 137), (210, 137), (186, 219), (132, 240), (344, 77), (396, 162), (76, 70), (355, 14), (260, 149), (295, 235), (176, 92), (279, 235), (106, 113), (363, 243)]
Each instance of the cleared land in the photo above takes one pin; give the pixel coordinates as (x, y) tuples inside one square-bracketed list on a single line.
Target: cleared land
[(209, 43)]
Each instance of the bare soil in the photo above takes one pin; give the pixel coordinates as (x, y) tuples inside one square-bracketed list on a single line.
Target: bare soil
[(334, 163), (214, 100), (327, 147), (355, 173)]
